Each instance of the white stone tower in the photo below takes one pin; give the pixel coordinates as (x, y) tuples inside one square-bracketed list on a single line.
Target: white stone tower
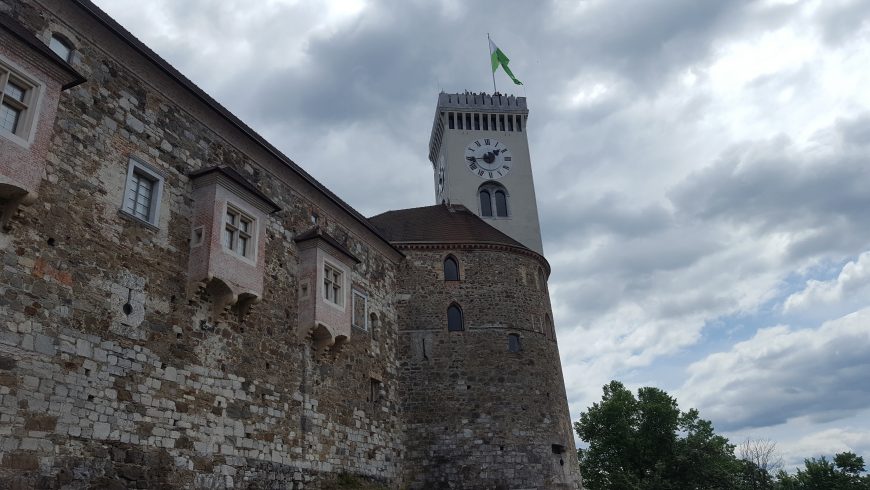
[(480, 155)]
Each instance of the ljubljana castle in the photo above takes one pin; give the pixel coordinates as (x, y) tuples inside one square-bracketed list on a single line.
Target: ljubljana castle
[(184, 306)]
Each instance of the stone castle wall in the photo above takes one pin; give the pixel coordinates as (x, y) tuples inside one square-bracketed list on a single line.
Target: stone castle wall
[(115, 373), (478, 415), (110, 372)]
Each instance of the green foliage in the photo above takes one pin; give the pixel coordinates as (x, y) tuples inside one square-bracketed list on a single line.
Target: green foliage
[(844, 473), (648, 443)]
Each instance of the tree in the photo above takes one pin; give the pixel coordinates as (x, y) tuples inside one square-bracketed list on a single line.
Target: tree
[(820, 474), (646, 442), (759, 460), (762, 453)]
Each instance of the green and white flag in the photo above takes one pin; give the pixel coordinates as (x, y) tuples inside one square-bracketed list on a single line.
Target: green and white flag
[(499, 58)]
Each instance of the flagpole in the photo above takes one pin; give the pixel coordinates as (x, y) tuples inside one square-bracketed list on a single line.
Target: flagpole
[(489, 45)]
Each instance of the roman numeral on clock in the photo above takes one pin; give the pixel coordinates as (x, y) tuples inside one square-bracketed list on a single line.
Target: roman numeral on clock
[(480, 172), (473, 166), (477, 143), (507, 159), (486, 141)]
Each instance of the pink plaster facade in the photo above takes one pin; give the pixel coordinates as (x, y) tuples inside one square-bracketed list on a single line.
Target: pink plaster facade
[(227, 276), (22, 158), (328, 323)]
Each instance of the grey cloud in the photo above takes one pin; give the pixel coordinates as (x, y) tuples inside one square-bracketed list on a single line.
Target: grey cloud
[(780, 375), (776, 187), (839, 20)]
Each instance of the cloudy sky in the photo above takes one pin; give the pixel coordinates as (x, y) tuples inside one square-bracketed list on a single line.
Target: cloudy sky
[(703, 172)]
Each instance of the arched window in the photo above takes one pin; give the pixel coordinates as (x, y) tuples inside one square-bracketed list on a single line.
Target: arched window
[(500, 204), (451, 269), (493, 197), (514, 343), (61, 47), (455, 322), (485, 203)]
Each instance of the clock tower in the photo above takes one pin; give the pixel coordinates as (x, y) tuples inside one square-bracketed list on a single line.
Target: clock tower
[(480, 156)]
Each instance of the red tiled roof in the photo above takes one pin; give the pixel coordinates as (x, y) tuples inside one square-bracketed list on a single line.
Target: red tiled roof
[(439, 224)]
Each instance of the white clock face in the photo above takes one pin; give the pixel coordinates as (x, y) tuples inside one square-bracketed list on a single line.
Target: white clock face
[(488, 158)]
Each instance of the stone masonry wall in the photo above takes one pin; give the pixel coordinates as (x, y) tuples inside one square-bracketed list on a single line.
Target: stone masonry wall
[(111, 374), (477, 415)]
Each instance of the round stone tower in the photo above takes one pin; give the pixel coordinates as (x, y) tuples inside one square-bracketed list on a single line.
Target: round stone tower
[(483, 395)]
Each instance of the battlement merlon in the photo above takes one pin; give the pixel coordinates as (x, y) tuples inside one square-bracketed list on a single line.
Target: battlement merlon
[(472, 102), (483, 102)]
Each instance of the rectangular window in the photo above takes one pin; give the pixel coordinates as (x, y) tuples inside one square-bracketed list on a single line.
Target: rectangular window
[(477, 122), (486, 122), (468, 120), (332, 285), (238, 232), (142, 192), (459, 120), (501, 122), (450, 120), (520, 123), (510, 120), (492, 124), (360, 310), (374, 390), (17, 97)]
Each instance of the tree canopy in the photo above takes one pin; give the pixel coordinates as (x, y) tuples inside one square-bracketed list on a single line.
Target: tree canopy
[(646, 442)]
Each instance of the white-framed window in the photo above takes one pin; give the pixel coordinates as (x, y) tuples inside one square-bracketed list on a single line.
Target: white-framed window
[(142, 192), (333, 284), (360, 309), (61, 47), (18, 97), (239, 232)]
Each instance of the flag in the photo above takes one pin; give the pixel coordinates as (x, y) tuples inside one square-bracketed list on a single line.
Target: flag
[(499, 58)]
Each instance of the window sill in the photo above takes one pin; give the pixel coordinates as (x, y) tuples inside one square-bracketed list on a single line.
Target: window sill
[(333, 304), (16, 139), (138, 220), (234, 254)]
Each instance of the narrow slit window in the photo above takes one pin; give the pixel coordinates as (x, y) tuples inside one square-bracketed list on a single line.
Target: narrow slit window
[(514, 343), (455, 322), (485, 203), (374, 390), (500, 204), (451, 269), (360, 310)]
